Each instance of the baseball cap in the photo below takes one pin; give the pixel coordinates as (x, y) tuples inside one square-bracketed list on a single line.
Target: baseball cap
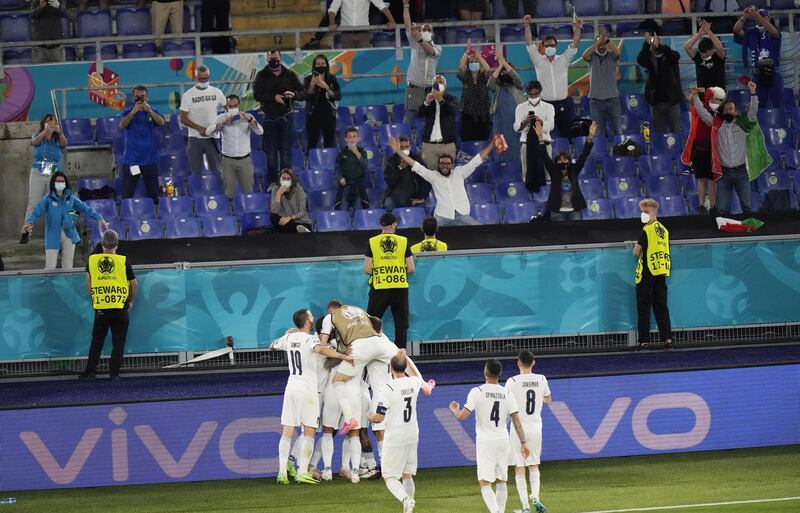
[(388, 219)]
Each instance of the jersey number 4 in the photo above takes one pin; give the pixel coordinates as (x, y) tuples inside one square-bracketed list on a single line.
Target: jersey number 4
[(494, 415), (407, 410), (296, 362)]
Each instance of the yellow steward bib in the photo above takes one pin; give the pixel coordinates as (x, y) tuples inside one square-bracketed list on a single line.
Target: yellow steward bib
[(388, 261), (109, 281), (428, 245), (657, 257)]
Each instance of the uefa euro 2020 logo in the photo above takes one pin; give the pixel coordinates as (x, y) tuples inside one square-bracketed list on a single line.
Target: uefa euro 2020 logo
[(106, 265), (388, 245)]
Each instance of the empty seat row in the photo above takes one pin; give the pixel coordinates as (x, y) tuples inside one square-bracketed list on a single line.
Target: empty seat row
[(172, 228)]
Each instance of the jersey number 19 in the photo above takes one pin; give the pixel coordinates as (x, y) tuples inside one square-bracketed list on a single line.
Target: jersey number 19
[(296, 362)]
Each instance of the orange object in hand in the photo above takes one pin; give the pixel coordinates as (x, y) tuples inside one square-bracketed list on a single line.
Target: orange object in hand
[(500, 144)]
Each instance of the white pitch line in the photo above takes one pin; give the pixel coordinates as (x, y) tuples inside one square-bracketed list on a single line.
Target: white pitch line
[(688, 506)]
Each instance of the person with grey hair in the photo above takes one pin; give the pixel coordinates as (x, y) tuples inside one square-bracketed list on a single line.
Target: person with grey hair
[(112, 287), (199, 106)]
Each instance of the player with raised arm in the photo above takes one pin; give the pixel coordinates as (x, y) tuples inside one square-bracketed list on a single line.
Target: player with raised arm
[(493, 406), (531, 391), (396, 409), (300, 399)]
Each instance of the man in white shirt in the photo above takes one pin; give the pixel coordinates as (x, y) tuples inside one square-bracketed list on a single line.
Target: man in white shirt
[(199, 106), (526, 112), (439, 131), (531, 392), (300, 399), (396, 408), (552, 71), (493, 406), (235, 127), (355, 13), (452, 202), (422, 66)]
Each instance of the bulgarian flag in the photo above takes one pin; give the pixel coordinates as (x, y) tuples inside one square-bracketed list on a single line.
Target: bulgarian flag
[(749, 225)]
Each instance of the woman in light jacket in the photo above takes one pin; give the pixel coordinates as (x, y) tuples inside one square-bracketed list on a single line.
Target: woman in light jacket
[(47, 145), (289, 205)]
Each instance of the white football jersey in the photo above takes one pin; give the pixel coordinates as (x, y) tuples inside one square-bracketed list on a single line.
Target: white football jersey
[(323, 374), (303, 361), (399, 400), (529, 390), (492, 407)]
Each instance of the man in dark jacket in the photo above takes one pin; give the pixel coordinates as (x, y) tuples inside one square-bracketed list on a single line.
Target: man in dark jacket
[(46, 17), (439, 110), (403, 187), (276, 88), (663, 88)]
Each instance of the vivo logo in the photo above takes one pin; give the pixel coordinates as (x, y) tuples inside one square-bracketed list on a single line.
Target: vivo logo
[(595, 443), (176, 467)]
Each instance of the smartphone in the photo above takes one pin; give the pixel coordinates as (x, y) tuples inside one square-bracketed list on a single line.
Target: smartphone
[(531, 113), (437, 86)]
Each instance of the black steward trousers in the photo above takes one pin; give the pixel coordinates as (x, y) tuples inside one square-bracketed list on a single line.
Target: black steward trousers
[(397, 299), (651, 292), (117, 322)]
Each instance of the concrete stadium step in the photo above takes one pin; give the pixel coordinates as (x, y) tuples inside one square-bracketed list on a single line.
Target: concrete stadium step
[(250, 7), (284, 41)]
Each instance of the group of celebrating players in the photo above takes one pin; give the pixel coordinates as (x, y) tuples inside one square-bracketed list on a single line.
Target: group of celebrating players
[(335, 361)]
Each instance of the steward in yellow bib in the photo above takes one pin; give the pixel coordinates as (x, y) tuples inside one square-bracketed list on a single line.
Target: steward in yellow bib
[(652, 269), (430, 243), (112, 287), (388, 262)]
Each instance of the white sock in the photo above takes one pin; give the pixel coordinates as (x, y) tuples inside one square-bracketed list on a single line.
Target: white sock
[(326, 448), (522, 490), (489, 498), (535, 482), (345, 452), (396, 488), (380, 448), (501, 491), (284, 446), (369, 460), (342, 395), (306, 448), (315, 457), (295, 453), (408, 484), (355, 453)]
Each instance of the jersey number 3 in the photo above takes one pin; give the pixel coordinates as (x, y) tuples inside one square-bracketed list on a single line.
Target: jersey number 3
[(296, 362), (495, 413), (407, 410)]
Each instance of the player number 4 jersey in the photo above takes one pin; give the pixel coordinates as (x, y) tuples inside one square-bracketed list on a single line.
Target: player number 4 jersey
[(303, 363), (398, 401), (529, 390), (492, 406)]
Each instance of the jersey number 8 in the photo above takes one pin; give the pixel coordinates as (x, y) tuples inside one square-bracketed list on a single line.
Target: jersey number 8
[(530, 405)]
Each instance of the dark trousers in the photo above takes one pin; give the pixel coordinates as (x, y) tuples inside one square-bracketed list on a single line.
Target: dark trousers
[(512, 8), (214, 18), (652, 292), (117, 321), (352, 195), (290, 227), (278, 145), (475, 128), (564, 115), (322, 121), (149, 173), (397, 299)]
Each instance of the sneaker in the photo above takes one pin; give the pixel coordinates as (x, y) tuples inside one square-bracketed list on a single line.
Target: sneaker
[(668, 344), (305, 478), (291, 469), (371, 474), (353, 424), (354, 477), (86, 375), (408, 505), (282, 479), (327, 475), (316, 474), (302, 229), (537, 504), (525, 510)]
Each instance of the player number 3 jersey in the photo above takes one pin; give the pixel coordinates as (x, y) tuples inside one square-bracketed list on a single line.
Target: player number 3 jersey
[(303, 366), (529, 390), (492, 406), (398, 401)]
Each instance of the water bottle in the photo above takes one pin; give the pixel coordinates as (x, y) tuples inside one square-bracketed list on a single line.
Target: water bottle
[(8, 500), (646, 131)]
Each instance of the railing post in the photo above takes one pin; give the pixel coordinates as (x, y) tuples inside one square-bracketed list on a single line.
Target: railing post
[(298, 52), (496, 33), (398, 46), (98, 58), (198, 50), (64, 104)]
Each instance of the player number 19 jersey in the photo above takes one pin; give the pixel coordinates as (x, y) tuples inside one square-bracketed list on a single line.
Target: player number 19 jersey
[(398, 401), (529, 390), (492, 406), (303, 364)]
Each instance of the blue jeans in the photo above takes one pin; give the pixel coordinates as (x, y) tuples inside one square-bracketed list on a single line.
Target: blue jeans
[(606, 110), (352, 195), (733, 178), (278, 145), (459, 220), (560, 217)]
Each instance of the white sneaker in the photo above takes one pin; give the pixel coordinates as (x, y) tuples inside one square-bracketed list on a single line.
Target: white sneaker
[(354, 477), (408, 505), (327, 475), (302, 229)]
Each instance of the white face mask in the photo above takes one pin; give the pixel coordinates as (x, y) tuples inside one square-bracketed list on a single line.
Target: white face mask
[(233, 111), (60, 186), (550, 51), (202, 85), (534, 101), (427, 36), (645, 217), (601, 54), (406, 152), (286, 183), (714, 106)]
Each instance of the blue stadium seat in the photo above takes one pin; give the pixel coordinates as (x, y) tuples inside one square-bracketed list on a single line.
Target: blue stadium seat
[(182, 227), (409, 217), (107, 129), (179, 48), (627, 208), (373, 198), (137, 208), (480, 192), (619, 166), (635, 105), (599, 149), (12, 5), (371, 115), (221, 226), (368, 219), (670, 205), (17, 56), (549, 9), (212, 205), (655, 165), (789, 99), (374, 162), (589, 7), (772, 118), (366, 134), (623, 187), (143, 229), (343, 115), (511, 192), (630, 28), (591, 188), (250, 203), (15, 27), (133, 22), (663, 186), (486, 213), (542, 195), (255, 220), (398, 112), (692, 204), (107, 52), (773, 180), (597, 209), (778, 140), (96, 183), (318, 180), (383, 39), (322, 158), (259, 162), (476, 35), (177, 165), (792, 159), (94, 23), (740, 96), (298, 159), (321, 200), (176, 206), (502, 172), (78, 131), (473, 148), (522, 211), (118, 225), (139, 50), (332, 221), (794, 179), (625, 7), (105, 207), (560, 144), (393, 130), (208, 183), (510, 34), (689, 184), (666, 144), (630, 124), (559, 31)]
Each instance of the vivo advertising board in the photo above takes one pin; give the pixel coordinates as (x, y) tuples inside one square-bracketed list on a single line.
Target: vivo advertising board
[(238, 437)]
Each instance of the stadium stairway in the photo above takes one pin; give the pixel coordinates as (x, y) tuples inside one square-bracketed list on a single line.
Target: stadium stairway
[(275, 14)]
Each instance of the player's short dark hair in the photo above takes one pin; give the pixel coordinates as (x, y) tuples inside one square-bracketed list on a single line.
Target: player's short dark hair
[(300, 317), (334, 303), (377, 323), (494, 368), (549, 37), (534, 84), (705, 44), (526, 358), (399, 362), (429, 226)]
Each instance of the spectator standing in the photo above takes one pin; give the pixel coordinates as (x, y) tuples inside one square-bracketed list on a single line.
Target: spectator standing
[(214, 17), (388, 262), (662, 91), (289, 205), (351, 173), (720, 25), (471, 10), (439, 112), (475, 103), (652, 269), (452, 202), (709, 57), (604, 106), (235, 128), (47, 144), (46, 16), (355, 13), (422, 66), (526, 113), (322, 95), (507, 86), (429, 242), (552, 70), (512, 8), (275, 88), (404, 188), (199, 106), (104, 271), (697, 151), (141, 145), (60, 208), (163, 11), (762, 54)]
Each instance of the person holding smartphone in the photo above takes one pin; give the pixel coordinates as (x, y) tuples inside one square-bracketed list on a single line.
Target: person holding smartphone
[(322, 94), (47, 145), (526, 113)]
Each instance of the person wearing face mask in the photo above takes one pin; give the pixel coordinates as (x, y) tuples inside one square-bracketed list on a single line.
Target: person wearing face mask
[(276, 88), (60, 209), (404, 188), (474, 75), (199, 107), (289, 205), (552, 71), (508, 93), (652, 270), (534, 108), (140, 158), (761, 41), (47, 145), (709, 57), (738, 151), (603, 58), (422, 66), (697, 151), (452, 202), (439, 111), (322, 95), (662, 91)]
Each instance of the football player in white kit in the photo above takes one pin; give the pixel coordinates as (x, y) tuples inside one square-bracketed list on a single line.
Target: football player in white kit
[(493, 406), (301, 399), (531, 392), (396, 409)]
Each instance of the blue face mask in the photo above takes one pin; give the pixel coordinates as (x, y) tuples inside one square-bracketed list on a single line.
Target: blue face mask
[(474, 67)]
